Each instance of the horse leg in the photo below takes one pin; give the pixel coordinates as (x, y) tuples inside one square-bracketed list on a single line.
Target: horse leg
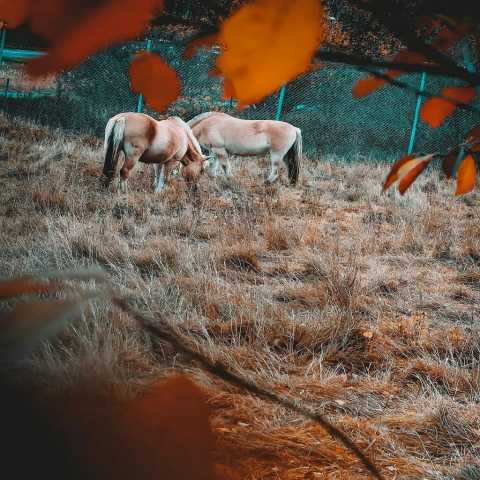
[(213, 168), (159, 177), (227, 168), (155, 175), (128, 165), (217, 169), (221, 157), (274, 161)]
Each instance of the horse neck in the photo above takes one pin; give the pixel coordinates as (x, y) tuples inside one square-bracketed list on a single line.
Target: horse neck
[(193, 153)]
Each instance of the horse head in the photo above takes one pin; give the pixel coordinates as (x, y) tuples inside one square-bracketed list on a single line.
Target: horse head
[(207, 162), (193, 168)]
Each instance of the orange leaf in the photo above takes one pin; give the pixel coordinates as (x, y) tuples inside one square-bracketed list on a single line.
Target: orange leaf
[(228, 90), (411, 176), (51, 18), (448, 162), (269, 42), (200, 42), (24, 285), (163, 433), (366, 86), (406, 170), (393, 175), (110, 22), (156, 80), (13, 13), (435, 110), (466, 175)]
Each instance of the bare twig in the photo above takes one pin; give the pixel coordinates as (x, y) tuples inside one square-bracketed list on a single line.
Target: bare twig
[(328, 53), (425, 93), (431, 68), (394, 20), (162, 331)]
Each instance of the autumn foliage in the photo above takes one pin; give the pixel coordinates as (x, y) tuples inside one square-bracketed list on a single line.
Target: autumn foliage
[(435, 110), (96, 432), (446, 33), (108, 434), (406, 170), (460, 160), (257, 57), (259, 54), (163, 432), (370, 84), (156, 80)]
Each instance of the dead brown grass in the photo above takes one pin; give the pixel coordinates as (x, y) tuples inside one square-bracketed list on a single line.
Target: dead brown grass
[(20, 81), (360, 305)]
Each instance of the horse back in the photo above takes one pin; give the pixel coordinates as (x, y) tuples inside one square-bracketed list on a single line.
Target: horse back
[(243, 136), (140, 129)]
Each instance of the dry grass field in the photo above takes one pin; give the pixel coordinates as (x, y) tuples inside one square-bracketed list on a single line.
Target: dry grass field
[(20, 82), (359, 304)]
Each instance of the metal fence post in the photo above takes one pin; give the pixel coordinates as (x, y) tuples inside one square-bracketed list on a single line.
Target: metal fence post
[(411, 143), (468, 60), (281, 98), (140, 97), (3, 39)]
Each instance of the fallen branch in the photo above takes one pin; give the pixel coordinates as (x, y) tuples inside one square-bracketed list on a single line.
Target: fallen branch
[(162, 331)]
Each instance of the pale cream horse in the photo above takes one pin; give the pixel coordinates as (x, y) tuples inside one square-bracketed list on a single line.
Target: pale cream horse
[(225, 135), (140, 138)]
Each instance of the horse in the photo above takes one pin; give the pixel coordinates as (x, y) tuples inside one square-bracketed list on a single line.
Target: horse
[(164, 144), (225, 135)]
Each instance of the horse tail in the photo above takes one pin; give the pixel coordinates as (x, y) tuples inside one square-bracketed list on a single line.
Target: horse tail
[(113, 143), (294, 157)]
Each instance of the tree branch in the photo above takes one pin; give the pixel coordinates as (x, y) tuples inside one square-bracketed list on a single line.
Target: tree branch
[(361, 61), (395, 21), (162, 331), (425, 93)]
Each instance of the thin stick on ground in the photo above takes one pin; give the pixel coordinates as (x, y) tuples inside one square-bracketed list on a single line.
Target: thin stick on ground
[(164, 332)]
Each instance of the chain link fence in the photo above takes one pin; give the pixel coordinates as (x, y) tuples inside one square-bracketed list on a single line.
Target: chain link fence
[(319, 102)]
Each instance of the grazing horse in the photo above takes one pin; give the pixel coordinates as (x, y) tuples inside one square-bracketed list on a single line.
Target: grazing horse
[(223, 134), (164, 143)]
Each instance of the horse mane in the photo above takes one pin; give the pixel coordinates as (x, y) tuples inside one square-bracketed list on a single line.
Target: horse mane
[(192, 141), (202, 116)]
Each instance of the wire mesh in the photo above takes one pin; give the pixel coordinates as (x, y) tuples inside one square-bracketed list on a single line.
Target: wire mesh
[(319, 102)]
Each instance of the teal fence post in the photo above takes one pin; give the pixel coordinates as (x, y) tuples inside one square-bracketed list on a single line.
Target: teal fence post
[(411, 143), (281, 98), (140, 97), (468, 57), (3, 39), (469, 64)]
